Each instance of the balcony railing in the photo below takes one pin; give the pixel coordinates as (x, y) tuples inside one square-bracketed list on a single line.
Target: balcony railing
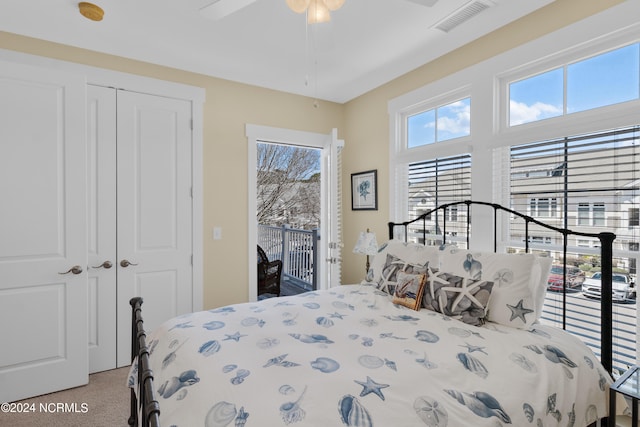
[(298, 250)]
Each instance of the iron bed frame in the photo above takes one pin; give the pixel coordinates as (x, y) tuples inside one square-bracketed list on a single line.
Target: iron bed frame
[(148, 408)]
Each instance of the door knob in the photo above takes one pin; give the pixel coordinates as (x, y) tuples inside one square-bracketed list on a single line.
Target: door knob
[(76, 269), (107, 265), (125, 263)]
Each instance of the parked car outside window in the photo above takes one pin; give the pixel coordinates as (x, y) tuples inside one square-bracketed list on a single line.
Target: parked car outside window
[(622, 284), (575, 277)]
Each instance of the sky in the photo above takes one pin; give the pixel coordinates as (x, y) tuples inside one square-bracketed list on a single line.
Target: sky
[(609, 78)]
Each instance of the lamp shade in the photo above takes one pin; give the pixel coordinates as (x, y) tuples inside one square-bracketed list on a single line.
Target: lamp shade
[(334, 4), (366, 244), (318, 12), (298, 6)]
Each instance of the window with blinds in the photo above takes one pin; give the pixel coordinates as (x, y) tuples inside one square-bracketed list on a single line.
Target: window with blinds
[(432, 183), (587, 183)]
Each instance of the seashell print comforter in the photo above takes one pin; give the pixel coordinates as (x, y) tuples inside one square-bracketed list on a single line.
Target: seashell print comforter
[(350, 357)]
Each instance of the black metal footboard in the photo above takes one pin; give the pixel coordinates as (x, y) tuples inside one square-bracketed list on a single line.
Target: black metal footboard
[(149, 407)]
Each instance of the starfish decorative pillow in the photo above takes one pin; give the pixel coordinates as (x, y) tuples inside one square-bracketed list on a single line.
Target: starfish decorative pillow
[(458, 297), (515, 278)]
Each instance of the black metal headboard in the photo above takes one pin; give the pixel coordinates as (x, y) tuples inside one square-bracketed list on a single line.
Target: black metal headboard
[(606, 253)]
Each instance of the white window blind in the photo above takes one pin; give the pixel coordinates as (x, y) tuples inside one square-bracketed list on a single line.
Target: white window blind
[(434, 182)]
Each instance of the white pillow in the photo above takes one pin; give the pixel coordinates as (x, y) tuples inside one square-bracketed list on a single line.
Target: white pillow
[(516, 277)]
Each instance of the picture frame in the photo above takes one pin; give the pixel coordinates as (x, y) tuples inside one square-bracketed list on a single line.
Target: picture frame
[(364, 191)]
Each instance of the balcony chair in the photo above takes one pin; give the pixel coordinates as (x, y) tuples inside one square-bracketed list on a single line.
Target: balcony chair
[(269, 273)]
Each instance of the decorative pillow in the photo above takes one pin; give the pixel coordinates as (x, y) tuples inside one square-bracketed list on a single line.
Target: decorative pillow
[(405, 257), (392, 268), (458, 297), (515, 276), (409, 289)]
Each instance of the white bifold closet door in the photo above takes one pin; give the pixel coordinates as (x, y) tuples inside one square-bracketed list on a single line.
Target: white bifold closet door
[(140, 215)]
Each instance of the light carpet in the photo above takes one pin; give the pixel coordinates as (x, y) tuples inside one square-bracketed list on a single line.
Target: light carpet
[(104, 402)]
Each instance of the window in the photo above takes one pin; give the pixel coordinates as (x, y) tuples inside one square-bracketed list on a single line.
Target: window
[(432, 183), (605, 79), (439, 124), (543, 207), (634, 217), (601, 166), (591, 215), (583, 214)]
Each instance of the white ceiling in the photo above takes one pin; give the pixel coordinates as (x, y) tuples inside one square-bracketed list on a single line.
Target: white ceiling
[(366, 44)]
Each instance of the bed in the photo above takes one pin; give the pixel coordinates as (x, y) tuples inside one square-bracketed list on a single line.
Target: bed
[(434, 336)]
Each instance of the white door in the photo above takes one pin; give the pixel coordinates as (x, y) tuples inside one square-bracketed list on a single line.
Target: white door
[(101, 227), (43, 244), (332, 207), (330, 243), (154, 250)]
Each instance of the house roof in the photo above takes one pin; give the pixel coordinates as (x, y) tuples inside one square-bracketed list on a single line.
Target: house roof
[(264, 43)]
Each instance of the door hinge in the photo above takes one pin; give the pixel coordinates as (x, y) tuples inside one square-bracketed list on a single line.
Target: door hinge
[(192, 260)]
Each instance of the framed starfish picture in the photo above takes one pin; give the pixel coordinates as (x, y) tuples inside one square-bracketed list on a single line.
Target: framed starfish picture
[(364, 191)]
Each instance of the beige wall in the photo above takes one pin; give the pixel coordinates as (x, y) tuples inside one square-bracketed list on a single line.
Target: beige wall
[(362, 123), (367, 119)]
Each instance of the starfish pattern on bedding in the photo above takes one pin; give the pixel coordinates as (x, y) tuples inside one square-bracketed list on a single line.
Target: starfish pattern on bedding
[(464, 290), (236, 337), (472, 348), (519, 311), (370, 386)]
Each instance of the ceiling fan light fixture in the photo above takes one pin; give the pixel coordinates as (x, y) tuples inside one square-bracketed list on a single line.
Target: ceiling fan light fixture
[(298, 6), (318, 12)]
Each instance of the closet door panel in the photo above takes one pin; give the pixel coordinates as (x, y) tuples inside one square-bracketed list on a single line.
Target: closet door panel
[(43, 245), (154, 208), (101, 226)]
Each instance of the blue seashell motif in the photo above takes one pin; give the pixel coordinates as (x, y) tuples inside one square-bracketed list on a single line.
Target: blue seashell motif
[(325, 365), (324, 322), (312, 338), (240, 376), (371, 362), (427, 336), (292, 412), (171, 386), (473, 365), (228, 368), (251, 321), (390, 364), (352, 413), (431, 412), (481, 403), (209, 348), (213, 325), (266, 343), (286, 389), (528, 412), (588, 361), (311, 305), (220, 414), (343, 305), (522, 361)]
